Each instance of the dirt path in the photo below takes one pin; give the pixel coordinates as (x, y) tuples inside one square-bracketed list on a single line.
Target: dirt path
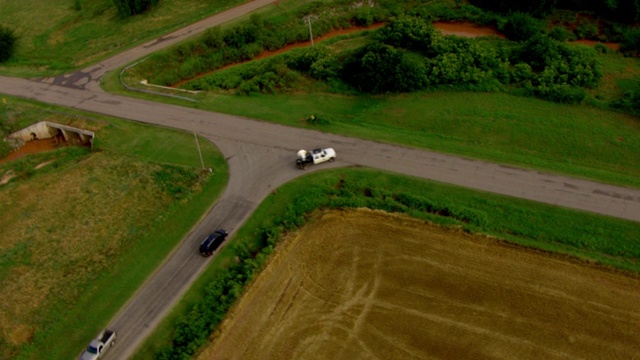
[(363, 284)]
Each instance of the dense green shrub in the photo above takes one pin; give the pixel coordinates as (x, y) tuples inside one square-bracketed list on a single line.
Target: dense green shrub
[(213, 38), (193, 329), (410, 73), (562, 93), (371, 68), (586, 30), (533, 7), (560, 33), (444, 12), (522, 72), (302, 59), (8, 41), (407, 54), (538, 51), (555, 71), (630, 102), (478, 15), (325, 68), (317, 61), (624, 11), (520, 27), (460, 61), (410, 33), (363, 16), (630, 43), (128, 8), (262, 77)]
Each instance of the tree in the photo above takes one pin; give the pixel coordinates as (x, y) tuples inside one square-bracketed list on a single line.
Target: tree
[(7, 43), (410, 33), (372, 68), (521, 27), (410, 74), (631, 42)]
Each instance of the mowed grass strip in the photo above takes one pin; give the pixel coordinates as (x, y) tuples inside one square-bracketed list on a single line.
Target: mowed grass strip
[(580, 141), (77, 233)]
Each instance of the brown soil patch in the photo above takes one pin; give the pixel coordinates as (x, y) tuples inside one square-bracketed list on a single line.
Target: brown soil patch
[(364, 284), (612, 46), (466, 29), (31, 147), (34, 147)]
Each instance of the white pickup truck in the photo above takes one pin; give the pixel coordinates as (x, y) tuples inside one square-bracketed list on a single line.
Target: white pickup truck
[(99, 345), (315, 156)]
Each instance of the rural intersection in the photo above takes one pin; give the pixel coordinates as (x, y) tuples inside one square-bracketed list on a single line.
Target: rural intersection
[(261, 157)]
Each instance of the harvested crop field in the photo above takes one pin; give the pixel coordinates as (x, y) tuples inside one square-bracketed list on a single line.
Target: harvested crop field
[(363, 284)]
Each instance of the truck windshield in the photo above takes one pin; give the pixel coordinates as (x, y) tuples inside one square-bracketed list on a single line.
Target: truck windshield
[(92, 350)]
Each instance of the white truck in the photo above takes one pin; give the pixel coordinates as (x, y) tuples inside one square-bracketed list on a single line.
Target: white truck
[(99, 345), (315, 156)]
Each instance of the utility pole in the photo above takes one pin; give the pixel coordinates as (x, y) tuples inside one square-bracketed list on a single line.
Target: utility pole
[(308, 18), (197, 144)]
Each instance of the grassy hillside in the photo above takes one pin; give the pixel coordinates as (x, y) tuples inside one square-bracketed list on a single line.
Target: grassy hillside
[(79, 224)]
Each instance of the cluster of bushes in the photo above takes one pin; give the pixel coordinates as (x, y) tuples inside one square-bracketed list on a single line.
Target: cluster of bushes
[(128, 8), (193, 329), (8, 41), (623, 11), (427, 58), (409, 54), (266, 76), (602, 20), (217, 48), (629, 103)]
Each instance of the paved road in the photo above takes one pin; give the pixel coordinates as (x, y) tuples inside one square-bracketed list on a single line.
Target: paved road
[(261, 158)]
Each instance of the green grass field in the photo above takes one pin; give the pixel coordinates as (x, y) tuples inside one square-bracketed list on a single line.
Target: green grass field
[(82, 226), (62, 35), (580, 141)]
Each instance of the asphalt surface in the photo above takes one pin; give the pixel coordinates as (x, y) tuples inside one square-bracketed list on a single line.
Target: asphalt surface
[(261, 157)]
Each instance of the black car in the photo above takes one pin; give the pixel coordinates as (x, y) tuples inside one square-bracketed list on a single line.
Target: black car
[(212, 242)]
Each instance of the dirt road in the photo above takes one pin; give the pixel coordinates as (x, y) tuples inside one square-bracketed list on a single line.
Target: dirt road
[(260, 159)]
